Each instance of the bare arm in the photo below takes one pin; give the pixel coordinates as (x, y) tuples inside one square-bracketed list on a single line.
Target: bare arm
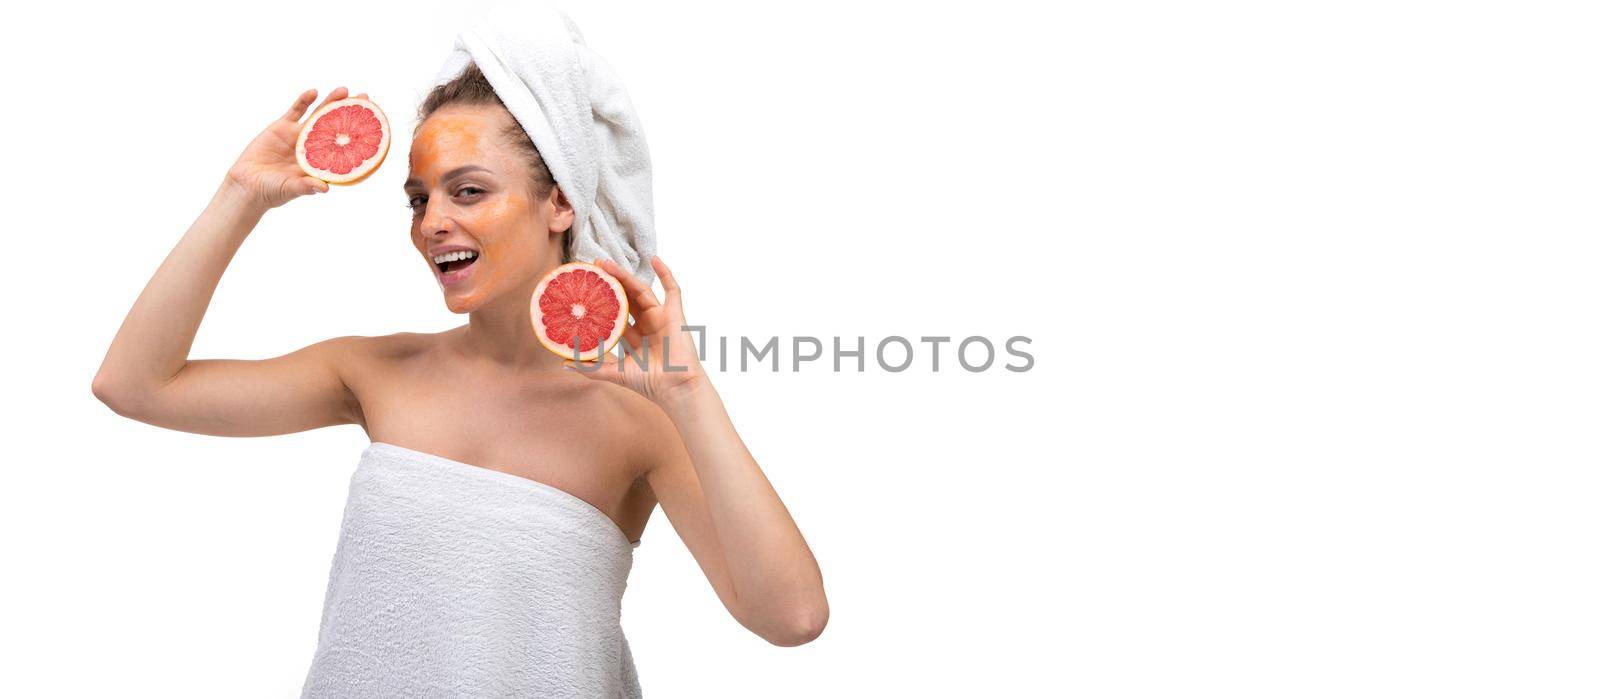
[(711, 488), (147, 375), (733, 522)]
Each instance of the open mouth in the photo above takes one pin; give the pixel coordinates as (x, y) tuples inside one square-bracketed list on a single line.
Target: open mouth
[(453, 262)]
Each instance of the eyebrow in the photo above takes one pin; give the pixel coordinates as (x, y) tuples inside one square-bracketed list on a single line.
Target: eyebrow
[(449, 175)]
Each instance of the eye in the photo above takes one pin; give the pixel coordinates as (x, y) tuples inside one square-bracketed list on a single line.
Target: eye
[(413, 202), (463, 191)]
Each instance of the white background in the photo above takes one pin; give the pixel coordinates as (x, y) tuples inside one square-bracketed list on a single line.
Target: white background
[(1311, 289)]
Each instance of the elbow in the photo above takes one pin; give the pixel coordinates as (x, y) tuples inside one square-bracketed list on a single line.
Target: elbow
[(107, 391), (101, 386), (803, 626)]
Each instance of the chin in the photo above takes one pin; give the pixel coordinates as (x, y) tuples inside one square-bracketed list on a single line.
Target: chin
[(462, 304), (474, 299)]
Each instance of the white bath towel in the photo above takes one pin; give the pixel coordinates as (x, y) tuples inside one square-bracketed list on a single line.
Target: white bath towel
[(578, 113), (453, 580)]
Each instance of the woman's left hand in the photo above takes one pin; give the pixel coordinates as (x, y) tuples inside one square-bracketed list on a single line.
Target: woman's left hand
[(656, 338)]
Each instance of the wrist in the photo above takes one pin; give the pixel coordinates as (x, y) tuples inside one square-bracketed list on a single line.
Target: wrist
[(234, 197), (689, 398)]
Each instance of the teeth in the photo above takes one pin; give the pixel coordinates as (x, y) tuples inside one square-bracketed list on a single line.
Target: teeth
[(456, 255)]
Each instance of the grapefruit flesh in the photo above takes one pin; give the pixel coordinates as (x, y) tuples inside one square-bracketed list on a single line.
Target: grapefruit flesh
[(344, 141), (579, 303)]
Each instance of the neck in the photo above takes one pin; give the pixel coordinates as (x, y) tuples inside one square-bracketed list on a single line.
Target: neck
[(501, 333)]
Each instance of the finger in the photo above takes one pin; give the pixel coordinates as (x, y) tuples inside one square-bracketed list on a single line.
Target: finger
[(362, 95), (602, 370), (312, 185), (338, 93), (669, 283), (639, 295), (298, 109), (632, 336)]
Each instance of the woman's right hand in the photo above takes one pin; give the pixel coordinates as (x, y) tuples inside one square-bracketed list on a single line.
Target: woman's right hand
[(267, 172)]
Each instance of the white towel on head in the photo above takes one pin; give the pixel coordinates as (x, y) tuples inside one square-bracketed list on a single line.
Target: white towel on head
[(579, 116)]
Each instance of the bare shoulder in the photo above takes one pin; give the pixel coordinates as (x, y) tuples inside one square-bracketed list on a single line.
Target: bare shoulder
[(362, 359), (648, 431), (359, 352), (616, 404)]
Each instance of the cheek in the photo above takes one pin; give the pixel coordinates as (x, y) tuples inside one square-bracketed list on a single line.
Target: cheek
[(512, 246), (513, 228), (506, 256), (419, 241)]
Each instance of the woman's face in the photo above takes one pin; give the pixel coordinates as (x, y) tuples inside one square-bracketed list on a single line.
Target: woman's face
[(470, 190)]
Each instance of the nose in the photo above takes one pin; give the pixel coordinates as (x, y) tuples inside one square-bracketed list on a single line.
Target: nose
[(436, 221)]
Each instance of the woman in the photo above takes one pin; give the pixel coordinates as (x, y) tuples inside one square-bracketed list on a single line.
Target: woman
[(467, 565)]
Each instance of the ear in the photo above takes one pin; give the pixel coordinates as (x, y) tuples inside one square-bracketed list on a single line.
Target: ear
[(561, 214)]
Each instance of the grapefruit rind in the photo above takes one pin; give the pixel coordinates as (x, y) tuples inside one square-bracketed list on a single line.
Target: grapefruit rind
[(361, 171), (566, 352)]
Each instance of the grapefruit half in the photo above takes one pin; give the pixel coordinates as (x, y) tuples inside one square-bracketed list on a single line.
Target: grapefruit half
[(344, 141), (579, 302)]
